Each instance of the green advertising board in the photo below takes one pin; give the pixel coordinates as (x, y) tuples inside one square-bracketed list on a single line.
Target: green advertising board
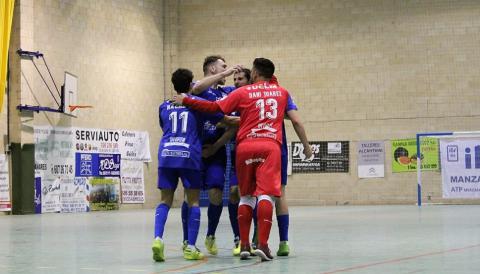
[(404, 153)]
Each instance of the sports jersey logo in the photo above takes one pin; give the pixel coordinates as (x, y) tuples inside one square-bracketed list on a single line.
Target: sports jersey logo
[(271, 132), (261, 86), (209, 126), (175, 153), (255, 160), (177, 141)]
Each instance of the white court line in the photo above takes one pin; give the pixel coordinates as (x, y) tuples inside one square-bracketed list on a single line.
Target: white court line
[(134, 270), (91, 268), (46, 267)]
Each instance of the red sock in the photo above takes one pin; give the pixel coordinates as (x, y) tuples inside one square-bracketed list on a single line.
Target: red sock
[(245, 214), (264, 219)]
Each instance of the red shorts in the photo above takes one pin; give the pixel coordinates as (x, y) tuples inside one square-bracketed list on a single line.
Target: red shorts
[(258, 168)]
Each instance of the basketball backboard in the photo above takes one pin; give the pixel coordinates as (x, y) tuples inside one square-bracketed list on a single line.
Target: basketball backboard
[(69, 94)]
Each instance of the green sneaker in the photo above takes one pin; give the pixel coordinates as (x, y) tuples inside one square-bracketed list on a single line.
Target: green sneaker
[(184, 245), (192, 254), (283, 249), (157, 248), (211, 245), (236, 249)]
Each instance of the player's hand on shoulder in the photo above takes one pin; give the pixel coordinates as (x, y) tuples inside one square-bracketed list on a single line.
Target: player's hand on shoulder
[(178, 99)]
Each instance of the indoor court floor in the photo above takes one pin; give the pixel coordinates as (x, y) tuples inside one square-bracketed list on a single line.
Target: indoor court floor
[(338, 239)]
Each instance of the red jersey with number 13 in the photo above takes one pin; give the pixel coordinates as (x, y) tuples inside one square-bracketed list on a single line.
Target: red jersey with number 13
[(262, 108)]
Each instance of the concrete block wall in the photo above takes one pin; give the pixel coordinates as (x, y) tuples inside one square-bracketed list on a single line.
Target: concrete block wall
[(116, 50), (358, 70)]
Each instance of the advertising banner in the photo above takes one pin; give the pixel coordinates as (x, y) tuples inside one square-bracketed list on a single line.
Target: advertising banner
[(68, 159), (5, 202), (404, 153), (97, 165), (135, 146), (133, 188), (74, 195), (38, 195), (371, 159), (104, 193), (327, 157), (131, 145), (460, 168), (51, 195)]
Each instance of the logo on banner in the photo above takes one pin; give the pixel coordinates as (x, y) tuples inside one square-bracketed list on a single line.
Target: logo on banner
[(94, 164), (452, 156), (86, 167), (109, 165), (452, 153), (468, 157)]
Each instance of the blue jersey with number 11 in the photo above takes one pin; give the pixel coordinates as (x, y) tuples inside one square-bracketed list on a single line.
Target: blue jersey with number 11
[(181, 145)]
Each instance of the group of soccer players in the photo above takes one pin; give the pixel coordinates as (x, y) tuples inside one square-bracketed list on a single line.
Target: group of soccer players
[(197, 147)]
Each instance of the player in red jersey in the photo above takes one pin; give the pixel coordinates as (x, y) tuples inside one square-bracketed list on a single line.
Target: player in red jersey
[(262, 109)]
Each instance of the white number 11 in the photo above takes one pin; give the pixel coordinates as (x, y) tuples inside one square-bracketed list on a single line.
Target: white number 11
[(183, 117)]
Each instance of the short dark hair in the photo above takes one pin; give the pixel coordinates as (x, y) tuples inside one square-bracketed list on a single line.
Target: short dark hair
[(210, 60), (264, 67), (181, 80), (247, 72)]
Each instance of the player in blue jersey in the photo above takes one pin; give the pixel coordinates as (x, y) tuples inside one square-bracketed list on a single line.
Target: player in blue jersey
[(211, 88), (281, 205), (179, 156)]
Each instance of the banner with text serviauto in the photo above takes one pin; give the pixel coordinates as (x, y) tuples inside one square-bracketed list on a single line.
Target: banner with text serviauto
[(74, 164)]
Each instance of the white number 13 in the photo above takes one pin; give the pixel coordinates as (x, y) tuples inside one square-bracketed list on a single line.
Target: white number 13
[(272, 103)]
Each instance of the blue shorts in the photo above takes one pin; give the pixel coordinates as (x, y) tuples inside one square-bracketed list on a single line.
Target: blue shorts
[(214, 174), (168, 178), (284, 169)]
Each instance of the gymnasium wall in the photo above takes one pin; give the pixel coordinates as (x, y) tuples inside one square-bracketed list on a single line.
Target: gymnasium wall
[(116, 50), (358, 70)]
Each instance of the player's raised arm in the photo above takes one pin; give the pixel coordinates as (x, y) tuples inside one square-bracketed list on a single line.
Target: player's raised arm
[(300, 131), (199, 105), (211, 80), (228, 105)]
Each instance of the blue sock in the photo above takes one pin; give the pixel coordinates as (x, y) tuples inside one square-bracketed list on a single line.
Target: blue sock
[(160, 219), (193, 224), (283, 221), (214, 212), (185, 220), (233, 213)]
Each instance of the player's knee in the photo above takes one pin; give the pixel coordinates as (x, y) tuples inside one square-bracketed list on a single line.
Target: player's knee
[(215, 196), (234, 195), (248, 200), (266, 198)]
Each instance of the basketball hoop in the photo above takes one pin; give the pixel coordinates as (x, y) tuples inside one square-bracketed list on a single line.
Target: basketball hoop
[(74, 107)]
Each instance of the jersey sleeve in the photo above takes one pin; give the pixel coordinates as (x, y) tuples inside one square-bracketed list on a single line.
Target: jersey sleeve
[(230, 103), (290, 104)]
